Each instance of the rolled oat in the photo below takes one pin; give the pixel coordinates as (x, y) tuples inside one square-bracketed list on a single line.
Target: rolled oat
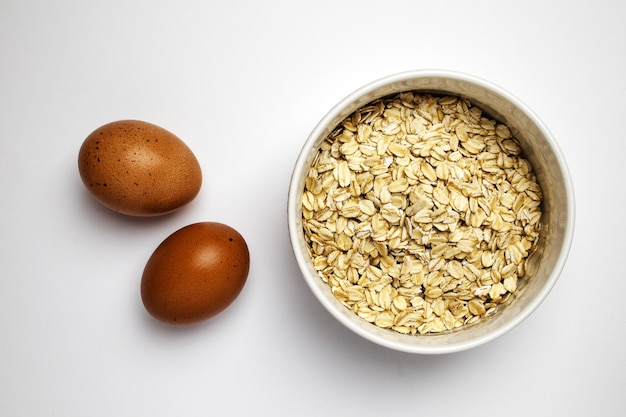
[(420, 213)]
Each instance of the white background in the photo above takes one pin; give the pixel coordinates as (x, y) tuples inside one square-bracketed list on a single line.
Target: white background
[(243, 83)]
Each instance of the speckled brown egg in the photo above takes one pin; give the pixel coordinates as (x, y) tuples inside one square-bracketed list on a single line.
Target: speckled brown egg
[(195, 273), (138, 168)]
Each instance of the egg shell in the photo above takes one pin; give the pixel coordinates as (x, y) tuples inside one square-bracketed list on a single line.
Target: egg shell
[(195, 273), (138, 168)]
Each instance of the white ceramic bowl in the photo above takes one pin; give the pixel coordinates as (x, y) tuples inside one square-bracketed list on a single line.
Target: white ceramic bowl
[(538, 146)]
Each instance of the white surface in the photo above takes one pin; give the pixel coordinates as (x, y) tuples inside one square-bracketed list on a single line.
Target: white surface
[(243, 83)]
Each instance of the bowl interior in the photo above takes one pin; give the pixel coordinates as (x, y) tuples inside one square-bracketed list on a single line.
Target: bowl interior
[(538, 147)]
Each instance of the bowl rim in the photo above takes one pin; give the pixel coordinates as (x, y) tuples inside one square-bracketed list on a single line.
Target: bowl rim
[(294, 224)]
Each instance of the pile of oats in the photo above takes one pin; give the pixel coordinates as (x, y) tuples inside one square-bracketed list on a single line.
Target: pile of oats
[(420, 213)]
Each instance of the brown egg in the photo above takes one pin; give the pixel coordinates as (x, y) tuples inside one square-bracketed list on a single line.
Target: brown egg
[(138, 168), (195, 273)]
